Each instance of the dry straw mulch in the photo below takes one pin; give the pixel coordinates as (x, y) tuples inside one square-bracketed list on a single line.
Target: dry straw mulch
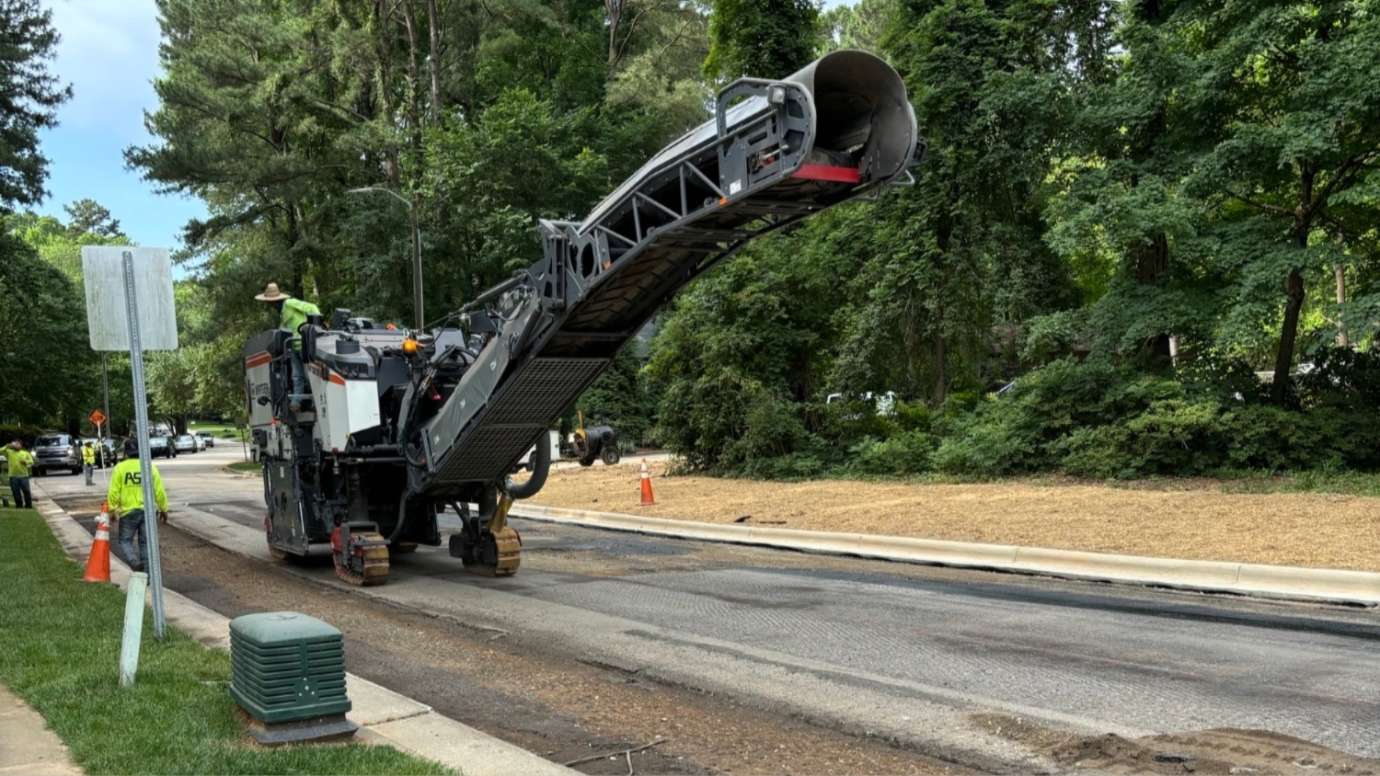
[(1192, 519)]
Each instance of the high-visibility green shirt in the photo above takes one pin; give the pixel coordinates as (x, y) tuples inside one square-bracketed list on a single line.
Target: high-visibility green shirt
[(126, 490), (88, 455), (295, 313), (20, 462)]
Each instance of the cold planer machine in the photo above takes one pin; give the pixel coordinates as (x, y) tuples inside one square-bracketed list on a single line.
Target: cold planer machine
[(402, 424)]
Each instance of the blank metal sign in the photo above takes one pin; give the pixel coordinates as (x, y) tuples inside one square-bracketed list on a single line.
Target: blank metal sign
[(104, 274)]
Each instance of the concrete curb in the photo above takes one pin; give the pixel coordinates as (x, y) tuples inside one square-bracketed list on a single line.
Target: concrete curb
[(384, 716), (1357, 588)]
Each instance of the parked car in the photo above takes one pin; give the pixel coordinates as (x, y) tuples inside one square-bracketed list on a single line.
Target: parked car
[(161, 447), (207, 439), (56, 451), (186, 443)]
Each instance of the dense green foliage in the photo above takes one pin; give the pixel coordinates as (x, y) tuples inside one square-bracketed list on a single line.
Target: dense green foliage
[(1129, 209), (49, 377), (58, 652), (1158, 221), (42, 337), (29, 96)]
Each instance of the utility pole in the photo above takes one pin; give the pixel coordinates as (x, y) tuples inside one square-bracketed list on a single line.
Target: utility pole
[(417, 306)]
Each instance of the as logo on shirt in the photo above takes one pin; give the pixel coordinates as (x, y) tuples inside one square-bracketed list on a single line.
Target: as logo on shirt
[(134, 478)]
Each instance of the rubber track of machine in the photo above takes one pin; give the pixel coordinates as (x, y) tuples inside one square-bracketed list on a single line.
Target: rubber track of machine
[(374, 549), (509, 552), (509, 546)]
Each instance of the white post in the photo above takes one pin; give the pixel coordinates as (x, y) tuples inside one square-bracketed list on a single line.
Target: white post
[(134, 627), (141, 431)]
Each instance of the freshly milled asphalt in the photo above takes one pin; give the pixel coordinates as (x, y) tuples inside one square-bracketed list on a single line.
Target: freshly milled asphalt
[(908, 653)]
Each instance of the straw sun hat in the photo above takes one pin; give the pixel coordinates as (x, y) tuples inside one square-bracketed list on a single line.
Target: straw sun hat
[(271, 294)]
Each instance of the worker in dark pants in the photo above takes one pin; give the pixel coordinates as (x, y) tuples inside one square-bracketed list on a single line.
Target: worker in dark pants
[(292, 313), (125, 498), (88, 461), (21, 463)]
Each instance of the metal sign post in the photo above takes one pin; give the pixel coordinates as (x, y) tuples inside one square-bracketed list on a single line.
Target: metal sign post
[(141, 426), (129, 306), (97, 419)]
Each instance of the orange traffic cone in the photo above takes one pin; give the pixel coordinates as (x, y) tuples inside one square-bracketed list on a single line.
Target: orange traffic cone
[(647, 498), (98, 563)]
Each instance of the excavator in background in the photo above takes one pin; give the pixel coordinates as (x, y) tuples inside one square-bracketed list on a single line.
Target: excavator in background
[(404, 423)]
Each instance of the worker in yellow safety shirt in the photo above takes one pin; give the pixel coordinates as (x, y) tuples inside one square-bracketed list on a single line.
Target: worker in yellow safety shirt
[(21, 462), (292, 313), (126, 501), (88, 461)]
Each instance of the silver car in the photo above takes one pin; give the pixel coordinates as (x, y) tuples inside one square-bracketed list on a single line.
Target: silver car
[(56, 451), (161, 447)]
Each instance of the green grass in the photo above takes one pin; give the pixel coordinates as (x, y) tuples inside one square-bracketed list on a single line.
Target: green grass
[(218, 430), (246, 466), (1347, 483), (59, 650)]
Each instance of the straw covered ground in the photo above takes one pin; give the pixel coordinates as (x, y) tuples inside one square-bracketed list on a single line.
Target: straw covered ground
[(1196, 519)]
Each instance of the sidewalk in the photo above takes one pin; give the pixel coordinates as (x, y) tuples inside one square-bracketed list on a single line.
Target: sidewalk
[(27, 746)]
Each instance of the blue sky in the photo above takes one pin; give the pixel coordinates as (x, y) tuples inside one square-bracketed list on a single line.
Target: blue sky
[(109, 53)]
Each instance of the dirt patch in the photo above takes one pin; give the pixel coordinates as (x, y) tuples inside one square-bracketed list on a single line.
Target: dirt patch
[(1196, 521), (1217, 751)]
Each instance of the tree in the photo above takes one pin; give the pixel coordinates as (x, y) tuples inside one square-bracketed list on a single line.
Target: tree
[(963, 249), (1120, 214), (1288, 109), (87, 216), (45, 360), (29, 97), (760, 38), (859, 26)]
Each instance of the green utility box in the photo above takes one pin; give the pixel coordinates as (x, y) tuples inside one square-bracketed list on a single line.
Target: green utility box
[(287, 671)]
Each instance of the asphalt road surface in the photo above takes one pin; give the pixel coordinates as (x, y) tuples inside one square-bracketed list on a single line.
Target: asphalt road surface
[(929, 667)]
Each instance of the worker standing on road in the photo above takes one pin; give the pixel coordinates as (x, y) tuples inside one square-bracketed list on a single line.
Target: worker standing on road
[(21, 462), (88, 461), (126, 501), (292, 313)]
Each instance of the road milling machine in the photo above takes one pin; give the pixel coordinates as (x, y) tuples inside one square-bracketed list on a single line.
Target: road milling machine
[(401, 424)]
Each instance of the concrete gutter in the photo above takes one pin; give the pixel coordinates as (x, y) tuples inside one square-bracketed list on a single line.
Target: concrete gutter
[(1357, 588), (384, 717)]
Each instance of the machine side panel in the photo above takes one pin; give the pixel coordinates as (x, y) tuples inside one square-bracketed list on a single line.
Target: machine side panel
[(258, 380), (362, 402), (329, 405)]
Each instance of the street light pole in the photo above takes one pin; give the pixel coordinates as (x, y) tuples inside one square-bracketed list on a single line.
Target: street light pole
[(417, 305), (416, 268)]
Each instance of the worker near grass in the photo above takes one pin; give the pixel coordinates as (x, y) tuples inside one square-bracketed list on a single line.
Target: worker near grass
[(88, 461), (125, 498), (21, 463), (292, 313)]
